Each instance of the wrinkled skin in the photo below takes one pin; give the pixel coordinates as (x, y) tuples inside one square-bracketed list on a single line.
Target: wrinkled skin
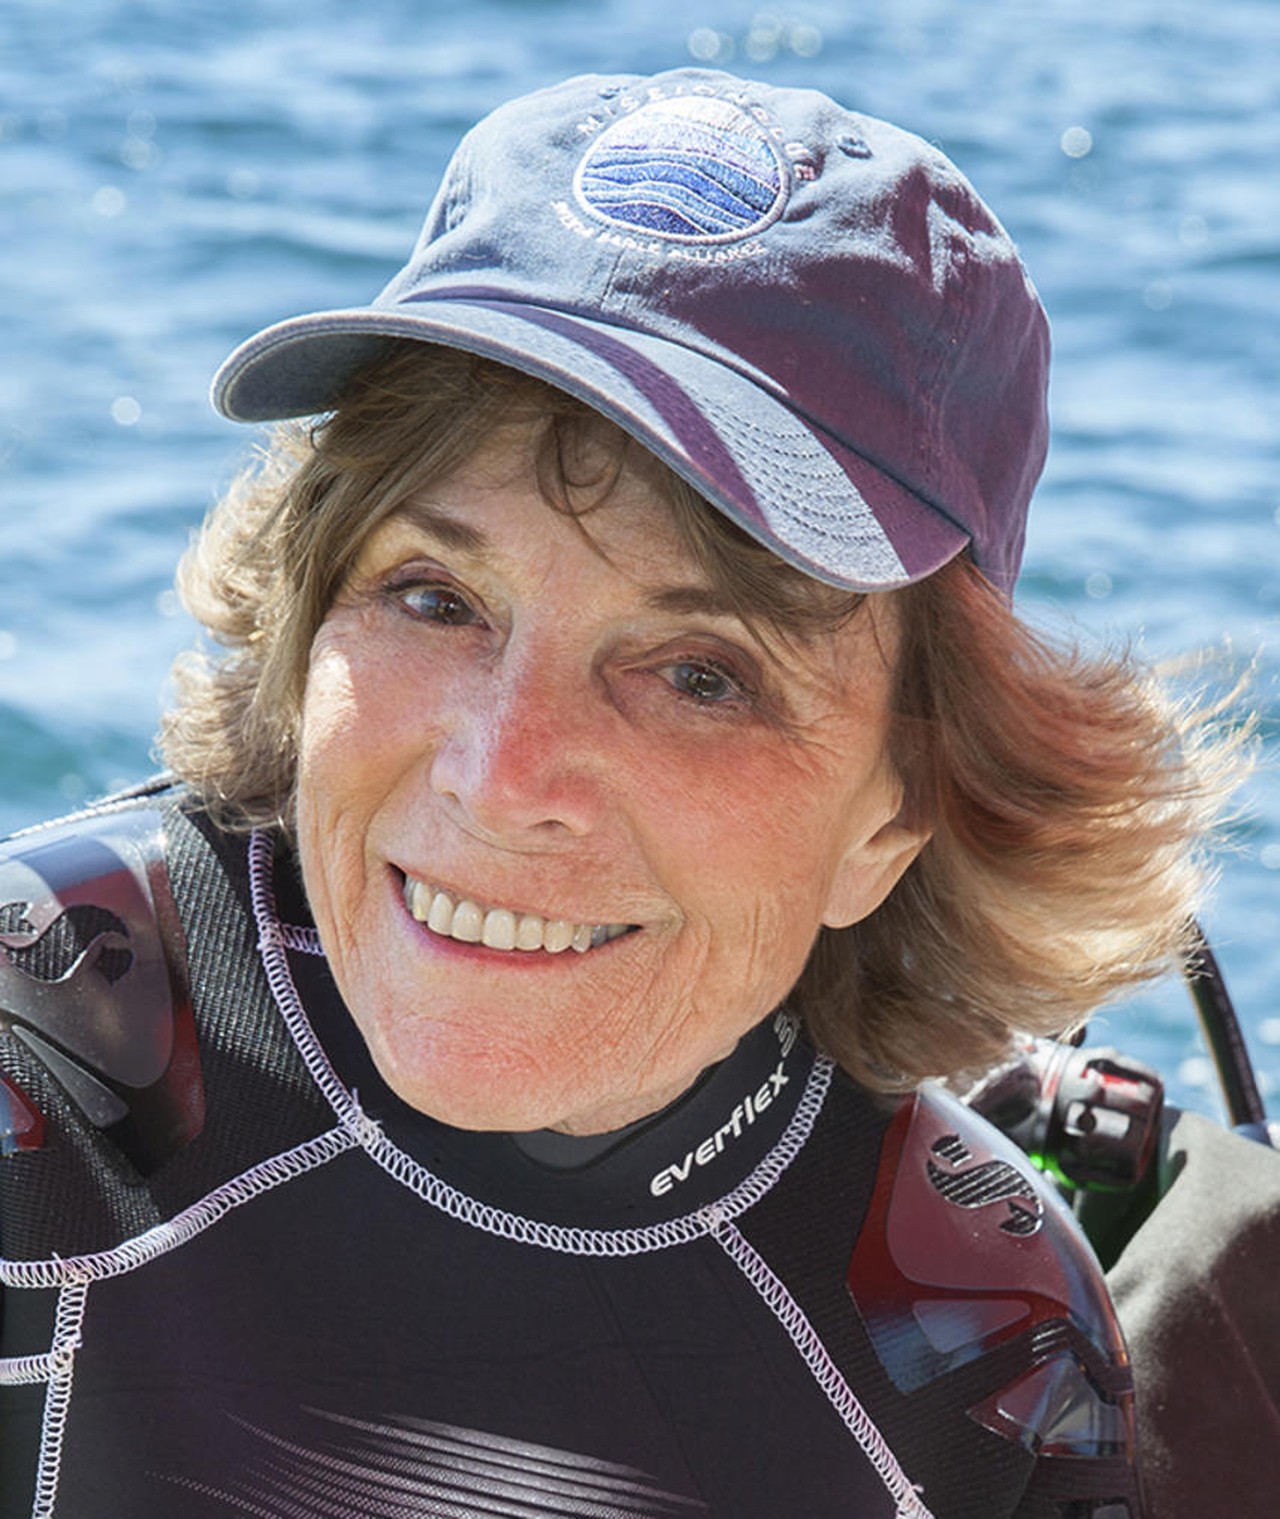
[(497, 707)]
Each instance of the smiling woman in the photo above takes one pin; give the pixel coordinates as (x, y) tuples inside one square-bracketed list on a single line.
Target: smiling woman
[(530, 703), (1040, 777), (621, 780), (560, 743)]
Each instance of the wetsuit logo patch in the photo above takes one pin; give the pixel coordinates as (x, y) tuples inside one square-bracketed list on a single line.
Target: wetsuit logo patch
[(988, 1182), (92, 979), (82, 937), (691, 169)]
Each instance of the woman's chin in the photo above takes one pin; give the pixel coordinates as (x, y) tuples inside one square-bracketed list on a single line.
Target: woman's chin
[(471, 1089)]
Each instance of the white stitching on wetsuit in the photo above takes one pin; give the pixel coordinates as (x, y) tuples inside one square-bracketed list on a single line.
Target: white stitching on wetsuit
[(272, 942), (66, 1341), (305, 940), (24, 1370), (804, 1337), (184, 1226)]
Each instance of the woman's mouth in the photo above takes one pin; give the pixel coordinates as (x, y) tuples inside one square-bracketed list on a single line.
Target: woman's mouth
[(471, 922)]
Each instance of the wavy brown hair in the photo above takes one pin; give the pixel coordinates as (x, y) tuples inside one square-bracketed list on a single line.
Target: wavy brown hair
[(1069, 797)]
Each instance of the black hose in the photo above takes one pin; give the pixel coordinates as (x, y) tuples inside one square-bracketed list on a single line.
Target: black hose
[(1223, 1035)]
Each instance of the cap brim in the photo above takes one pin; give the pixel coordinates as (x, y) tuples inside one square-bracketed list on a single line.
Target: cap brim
[(818, 504)]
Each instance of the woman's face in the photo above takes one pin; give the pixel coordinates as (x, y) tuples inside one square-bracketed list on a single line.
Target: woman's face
[(513, 735)]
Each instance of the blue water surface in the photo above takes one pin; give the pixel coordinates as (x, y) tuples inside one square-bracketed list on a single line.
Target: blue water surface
[(174, 176)]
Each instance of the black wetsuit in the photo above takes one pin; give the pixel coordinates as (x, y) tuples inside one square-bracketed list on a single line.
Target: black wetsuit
[(242, 1278)]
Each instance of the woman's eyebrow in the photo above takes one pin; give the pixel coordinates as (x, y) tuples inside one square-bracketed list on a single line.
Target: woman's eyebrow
[(448, 531), (681, 600), (694, 600), (433, 520), (708, 601)]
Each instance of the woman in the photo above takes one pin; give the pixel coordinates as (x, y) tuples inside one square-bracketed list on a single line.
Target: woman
[(470, 1087)]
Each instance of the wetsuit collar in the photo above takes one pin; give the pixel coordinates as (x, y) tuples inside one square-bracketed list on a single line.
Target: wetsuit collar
[(684, 1157)]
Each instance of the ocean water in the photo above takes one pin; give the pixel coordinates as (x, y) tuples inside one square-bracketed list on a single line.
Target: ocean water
[(174, 176)]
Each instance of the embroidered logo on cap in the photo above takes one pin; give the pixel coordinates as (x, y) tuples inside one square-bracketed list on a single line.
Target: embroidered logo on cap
[(691, 169)]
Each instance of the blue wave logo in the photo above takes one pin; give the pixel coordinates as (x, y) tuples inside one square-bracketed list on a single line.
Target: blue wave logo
[(694, 169)]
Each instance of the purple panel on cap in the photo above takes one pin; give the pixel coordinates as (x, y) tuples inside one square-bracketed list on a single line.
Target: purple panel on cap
[(837, 345)]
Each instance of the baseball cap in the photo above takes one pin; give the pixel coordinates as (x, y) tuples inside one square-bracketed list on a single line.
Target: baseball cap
[(806, 312)]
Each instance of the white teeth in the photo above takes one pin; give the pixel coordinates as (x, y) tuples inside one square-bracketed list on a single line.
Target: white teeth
[(440, 917), (529, 931), (557, 936), (468, 922), (499, 927)]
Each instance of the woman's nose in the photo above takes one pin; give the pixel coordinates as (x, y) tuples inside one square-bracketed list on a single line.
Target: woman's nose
[(517, 756)]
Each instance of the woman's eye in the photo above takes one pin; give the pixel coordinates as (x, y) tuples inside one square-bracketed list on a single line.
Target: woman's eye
[(438, 603), (706, 683)]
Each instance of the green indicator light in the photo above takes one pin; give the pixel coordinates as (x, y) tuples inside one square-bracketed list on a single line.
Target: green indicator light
[(1050, 1167)]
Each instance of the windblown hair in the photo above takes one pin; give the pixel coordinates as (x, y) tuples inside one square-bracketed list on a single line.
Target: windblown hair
[(1070, 798), (1073, 803)]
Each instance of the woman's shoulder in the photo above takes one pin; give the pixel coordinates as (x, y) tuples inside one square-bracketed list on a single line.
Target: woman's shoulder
[(92, 971), (971, 1272), (981, 1336), (960, 1214), (134, 1008)]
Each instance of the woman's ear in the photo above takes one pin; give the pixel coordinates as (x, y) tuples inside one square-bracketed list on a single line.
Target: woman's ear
[(871, 868)]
